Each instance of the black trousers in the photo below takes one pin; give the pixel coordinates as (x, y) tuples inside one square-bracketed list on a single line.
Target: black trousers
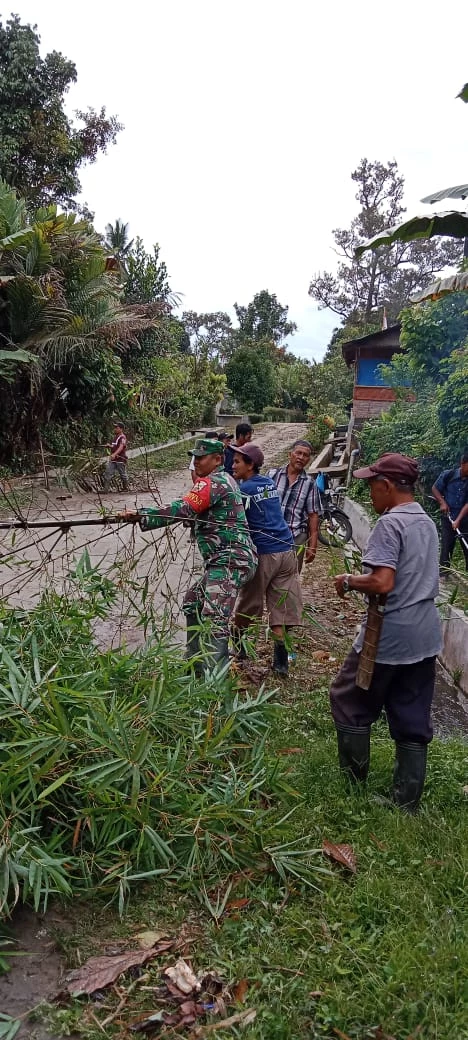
[(448, 539), (404, 690)]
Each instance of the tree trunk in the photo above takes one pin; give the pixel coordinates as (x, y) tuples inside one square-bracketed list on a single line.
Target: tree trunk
[(370, 293)]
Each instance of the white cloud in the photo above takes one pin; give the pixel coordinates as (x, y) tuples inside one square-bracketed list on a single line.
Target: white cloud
[(243, 120)]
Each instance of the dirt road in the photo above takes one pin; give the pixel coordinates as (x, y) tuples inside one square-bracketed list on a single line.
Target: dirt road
[(165, 560)]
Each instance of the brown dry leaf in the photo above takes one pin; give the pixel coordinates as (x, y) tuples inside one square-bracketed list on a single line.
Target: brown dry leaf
[(290, 751), (148, 939), (99, 972), (343, 854), (244, 1018), (182, 976), (342, 1036), (316, 993), (239, 991), (76, 834), (320, 655), (236, 904)]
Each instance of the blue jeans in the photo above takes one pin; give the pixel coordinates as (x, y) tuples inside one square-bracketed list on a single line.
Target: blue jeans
[(115, 469)]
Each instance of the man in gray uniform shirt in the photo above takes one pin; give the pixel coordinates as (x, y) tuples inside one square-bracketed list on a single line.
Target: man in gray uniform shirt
[(401, 562)]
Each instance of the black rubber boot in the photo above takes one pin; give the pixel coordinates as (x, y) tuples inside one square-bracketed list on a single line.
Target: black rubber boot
[(216, 654), (354, 751), (238, 643), (192, 648), (280, 663), (409, 775)]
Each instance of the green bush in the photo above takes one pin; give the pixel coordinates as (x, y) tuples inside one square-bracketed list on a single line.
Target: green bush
[(119, 767), (412, 429), (287, 415), (256, 417)]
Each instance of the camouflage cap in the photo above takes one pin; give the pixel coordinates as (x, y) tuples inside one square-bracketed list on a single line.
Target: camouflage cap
[(207, 447)]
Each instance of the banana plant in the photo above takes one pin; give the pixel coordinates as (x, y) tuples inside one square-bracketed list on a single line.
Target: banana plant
[(451, 223)]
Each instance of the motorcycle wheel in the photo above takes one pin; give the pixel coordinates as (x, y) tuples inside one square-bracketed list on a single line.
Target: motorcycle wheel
[(335, 528)]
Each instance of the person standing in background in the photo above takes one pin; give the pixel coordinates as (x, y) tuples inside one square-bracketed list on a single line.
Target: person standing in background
[(300, 501), (244, 433), (118, 461), (451, 492)]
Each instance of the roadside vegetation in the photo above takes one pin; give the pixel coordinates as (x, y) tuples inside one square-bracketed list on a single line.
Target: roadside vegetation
[(206, 800)]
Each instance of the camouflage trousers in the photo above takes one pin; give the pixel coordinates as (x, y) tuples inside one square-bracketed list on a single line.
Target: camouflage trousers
[(213, 596)]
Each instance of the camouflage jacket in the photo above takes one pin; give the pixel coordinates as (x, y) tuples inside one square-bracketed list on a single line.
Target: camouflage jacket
[(214, 503)]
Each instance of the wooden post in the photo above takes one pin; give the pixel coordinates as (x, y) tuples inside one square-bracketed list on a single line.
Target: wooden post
[(44, 467)]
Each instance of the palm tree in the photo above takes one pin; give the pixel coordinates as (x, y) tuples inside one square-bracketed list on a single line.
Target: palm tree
[(61, 309), (117, 240)]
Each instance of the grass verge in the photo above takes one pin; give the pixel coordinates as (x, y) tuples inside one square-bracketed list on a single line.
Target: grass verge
[(384, 948)]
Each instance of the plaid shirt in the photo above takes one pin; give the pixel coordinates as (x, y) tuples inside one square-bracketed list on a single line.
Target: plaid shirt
[(298, 500)]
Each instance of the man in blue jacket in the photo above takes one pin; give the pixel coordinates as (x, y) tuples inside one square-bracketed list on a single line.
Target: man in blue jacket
[(276, 580), (451, 492)]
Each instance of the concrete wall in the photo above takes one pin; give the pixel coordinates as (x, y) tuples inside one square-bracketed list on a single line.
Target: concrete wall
[(454, 654)]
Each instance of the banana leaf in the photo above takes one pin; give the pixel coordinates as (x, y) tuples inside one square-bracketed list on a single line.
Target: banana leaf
[(452, 224)]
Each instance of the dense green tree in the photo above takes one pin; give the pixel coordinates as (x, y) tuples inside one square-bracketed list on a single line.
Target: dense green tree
[(264, 318), (431, 331), (41, 149), (147, 276), (251, 376), (389, 276), (452, 399), (211, 335)]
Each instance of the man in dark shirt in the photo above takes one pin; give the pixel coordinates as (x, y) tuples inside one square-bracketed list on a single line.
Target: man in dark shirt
[(244, 434), (451, 492), (276, 580)]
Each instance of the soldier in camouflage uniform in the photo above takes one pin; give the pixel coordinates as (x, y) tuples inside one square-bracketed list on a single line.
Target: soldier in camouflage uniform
[(214, 504)]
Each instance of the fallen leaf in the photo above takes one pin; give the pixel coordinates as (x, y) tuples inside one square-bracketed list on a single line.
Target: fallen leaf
[(239, 991), (290, 751), (182, 976), (211, 983), (343, 854), (149, 938), (236, 904), (320, 655), (99, 972), (148, 1023), (316, 993), (76, 834), (378, 1034), (244, 1018), (342, 1036)]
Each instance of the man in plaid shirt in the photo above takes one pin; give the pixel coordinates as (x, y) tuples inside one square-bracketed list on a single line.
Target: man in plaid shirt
[(300, 501)]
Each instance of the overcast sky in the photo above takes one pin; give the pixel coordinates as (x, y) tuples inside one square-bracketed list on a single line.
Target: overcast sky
[(244, 119)]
